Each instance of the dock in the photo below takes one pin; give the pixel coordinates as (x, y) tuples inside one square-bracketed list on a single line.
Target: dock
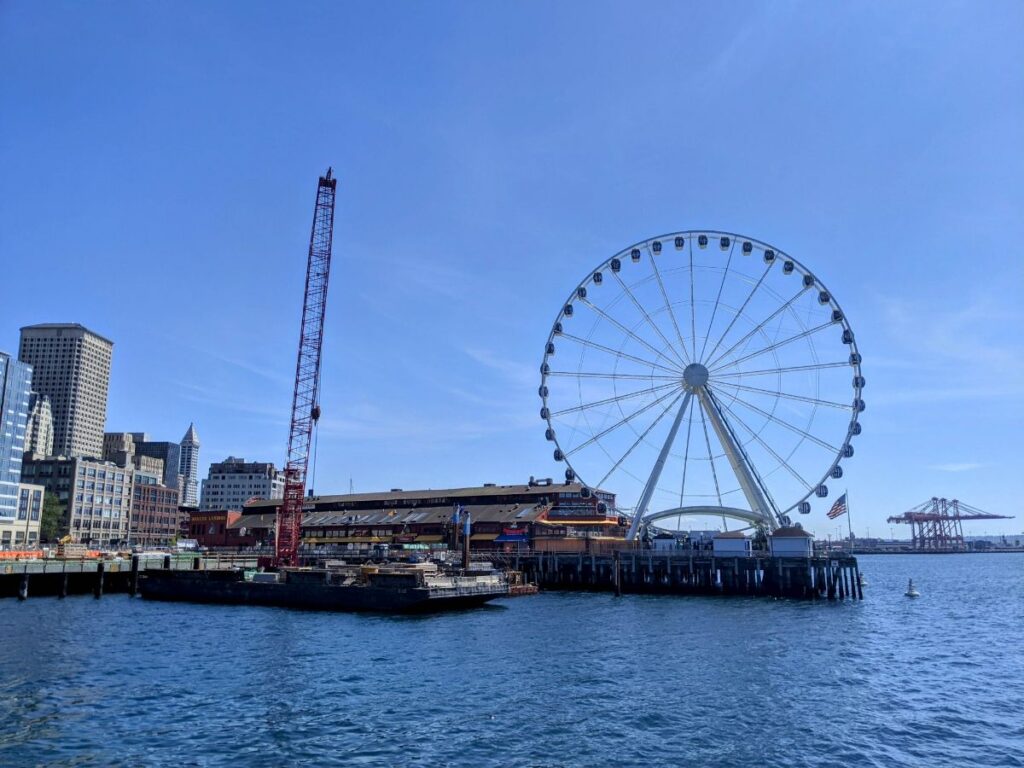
[(56, 577), (828, 577)]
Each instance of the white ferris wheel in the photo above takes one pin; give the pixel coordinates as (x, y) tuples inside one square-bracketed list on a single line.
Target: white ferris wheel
[(703, 375)]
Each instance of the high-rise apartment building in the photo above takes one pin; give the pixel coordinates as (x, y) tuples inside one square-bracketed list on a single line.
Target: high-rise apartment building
[(189, 467), (15, 385), (39, 430), (71, 366), (233, 482)]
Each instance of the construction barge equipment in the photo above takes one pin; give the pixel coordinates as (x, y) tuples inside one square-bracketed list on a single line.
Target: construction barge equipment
[(412, 588)]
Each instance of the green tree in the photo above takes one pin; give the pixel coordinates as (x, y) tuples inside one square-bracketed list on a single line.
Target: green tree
[(54, 521)]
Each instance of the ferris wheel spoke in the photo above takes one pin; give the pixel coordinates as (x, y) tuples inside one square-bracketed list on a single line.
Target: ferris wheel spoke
[(767, 447), (693, 305), (718, 299), (622, 355), (785, 395), (664, 295), (625, 330), (786, 369), (615, 399), (681, 354), (711, 458), (743, 306), (759, 326), (622, 422), (686, 462), (782, 422), (639, 440), (776, 345), (623, 376)]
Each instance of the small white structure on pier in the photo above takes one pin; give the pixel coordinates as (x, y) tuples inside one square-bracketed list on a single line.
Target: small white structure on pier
[(791, 542), (731, 544)]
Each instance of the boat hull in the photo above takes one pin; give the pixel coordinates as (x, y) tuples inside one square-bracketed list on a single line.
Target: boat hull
[(232, 589)]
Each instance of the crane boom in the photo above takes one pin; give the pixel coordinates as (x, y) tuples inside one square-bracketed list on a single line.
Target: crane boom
[(305, 400)]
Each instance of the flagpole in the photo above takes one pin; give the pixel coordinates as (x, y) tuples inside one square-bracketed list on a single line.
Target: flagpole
[(849, 517)]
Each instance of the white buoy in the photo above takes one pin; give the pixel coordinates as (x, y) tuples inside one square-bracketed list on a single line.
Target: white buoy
[(911, 592), (861, 580)]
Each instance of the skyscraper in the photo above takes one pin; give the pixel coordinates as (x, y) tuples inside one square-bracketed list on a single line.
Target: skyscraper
[(39, 431), (189, 467), (71, 366), (15, 385)]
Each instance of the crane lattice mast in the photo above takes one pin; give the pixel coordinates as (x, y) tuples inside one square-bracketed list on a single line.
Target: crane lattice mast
[(305, 401)]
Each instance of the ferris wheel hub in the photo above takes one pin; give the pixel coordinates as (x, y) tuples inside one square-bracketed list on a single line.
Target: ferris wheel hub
[(695, 375)]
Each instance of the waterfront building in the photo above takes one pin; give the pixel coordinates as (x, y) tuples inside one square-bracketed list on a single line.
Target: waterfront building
[(15, 385), (732, 544), (167, 452), (155, 515), (214, 529), (71, 366), (233, 482), (96, 495), (539, 516), (39, 429), (791, 542), (121, 448), (22, 531), (188, 466), (186, 513)]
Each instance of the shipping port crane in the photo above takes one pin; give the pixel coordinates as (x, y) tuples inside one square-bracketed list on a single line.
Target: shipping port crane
[(306, 397), (936, 524)]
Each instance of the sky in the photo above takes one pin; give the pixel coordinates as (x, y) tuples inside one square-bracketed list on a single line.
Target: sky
[(158, 168)]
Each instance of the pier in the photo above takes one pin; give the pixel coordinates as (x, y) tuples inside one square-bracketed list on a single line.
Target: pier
[(830, 577), (60, 578)]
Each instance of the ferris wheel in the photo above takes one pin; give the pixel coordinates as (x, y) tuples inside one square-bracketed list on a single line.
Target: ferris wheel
[(703, 374)]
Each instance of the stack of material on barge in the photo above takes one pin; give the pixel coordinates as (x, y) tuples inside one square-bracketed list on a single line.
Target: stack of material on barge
[(416, 587)]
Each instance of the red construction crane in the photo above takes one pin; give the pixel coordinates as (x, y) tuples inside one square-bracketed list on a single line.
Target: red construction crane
[(305, 401), (936, 523)]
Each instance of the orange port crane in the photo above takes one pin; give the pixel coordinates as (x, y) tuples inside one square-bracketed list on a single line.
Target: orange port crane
[(936, 524), (306, 398)]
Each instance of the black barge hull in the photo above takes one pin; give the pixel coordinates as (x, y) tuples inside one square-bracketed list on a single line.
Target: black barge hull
[(229, 588)]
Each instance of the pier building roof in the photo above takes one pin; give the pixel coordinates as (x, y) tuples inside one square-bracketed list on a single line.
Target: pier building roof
[(446, 497)]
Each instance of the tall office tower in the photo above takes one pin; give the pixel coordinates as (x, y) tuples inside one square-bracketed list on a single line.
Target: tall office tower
[(15, 385), (189, 467), (39, 431), (71, 366)]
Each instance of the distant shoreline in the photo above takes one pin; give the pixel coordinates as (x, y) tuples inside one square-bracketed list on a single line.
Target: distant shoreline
[(1015, 550)]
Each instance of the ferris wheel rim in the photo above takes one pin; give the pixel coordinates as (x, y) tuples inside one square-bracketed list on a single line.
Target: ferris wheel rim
[(717, 362)]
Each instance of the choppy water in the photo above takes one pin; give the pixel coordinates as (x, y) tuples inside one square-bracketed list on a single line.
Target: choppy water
[(554, 680)]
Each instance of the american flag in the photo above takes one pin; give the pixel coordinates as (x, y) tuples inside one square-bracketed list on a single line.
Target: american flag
[(839, 508)]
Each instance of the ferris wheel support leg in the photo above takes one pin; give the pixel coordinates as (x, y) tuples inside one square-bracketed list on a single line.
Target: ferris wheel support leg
[(748, 482), (652, 481)]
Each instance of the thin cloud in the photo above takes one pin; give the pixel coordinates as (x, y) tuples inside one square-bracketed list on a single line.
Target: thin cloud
[(518, 373), (965, 466)]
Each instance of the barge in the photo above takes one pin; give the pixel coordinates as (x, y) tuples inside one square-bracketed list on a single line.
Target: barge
[(396, 588)]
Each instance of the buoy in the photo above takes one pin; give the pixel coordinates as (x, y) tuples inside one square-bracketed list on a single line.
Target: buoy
[(861, 580), (911, 592)]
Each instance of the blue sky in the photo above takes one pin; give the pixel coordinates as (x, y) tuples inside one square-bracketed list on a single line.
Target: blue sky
[(158, 165)]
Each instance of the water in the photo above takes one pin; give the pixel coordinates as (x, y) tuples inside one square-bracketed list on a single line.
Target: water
[(555, 680)]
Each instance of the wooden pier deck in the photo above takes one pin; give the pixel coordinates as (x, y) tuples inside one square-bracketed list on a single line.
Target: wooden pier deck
[(830, 577)]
